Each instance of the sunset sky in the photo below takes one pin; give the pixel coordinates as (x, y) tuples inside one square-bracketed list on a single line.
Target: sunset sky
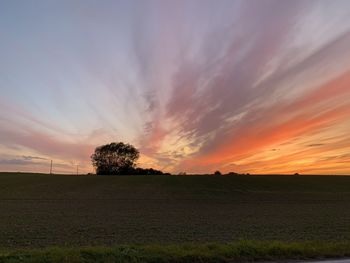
[(258, 86)]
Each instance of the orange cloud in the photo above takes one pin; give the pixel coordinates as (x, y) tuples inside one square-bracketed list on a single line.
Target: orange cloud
[(281, 124), (337, 87)]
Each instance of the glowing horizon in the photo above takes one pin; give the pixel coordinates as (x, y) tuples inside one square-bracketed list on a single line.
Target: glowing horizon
[(257, 86)]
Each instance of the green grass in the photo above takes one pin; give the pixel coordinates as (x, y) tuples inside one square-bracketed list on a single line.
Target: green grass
[(38, 211), (242, 251)]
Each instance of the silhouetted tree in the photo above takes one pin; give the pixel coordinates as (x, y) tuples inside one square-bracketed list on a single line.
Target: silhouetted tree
[(217, 173), (115, 158)]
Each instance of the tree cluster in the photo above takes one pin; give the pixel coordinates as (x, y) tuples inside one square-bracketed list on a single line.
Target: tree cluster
[(119, 159)]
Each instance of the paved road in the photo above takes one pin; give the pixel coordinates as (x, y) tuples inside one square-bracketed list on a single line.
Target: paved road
[(328, 261)]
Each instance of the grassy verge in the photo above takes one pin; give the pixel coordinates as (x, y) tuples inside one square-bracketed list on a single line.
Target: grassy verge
[(242, 251)]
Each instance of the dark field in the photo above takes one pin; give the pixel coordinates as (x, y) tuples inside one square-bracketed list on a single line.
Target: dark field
[(44, 210)]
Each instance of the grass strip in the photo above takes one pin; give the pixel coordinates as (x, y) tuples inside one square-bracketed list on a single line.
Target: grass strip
[(242, 251)]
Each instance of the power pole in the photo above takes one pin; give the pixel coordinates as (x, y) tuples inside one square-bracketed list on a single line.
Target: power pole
[(51, 167)]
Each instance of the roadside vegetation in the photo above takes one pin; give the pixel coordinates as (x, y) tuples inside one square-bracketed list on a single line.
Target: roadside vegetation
[(243, 251)]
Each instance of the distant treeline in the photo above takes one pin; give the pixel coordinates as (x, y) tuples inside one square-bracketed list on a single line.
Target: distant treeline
[(133, 171)]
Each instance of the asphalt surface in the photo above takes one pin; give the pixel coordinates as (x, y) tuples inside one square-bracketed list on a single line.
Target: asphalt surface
[(328, 261)]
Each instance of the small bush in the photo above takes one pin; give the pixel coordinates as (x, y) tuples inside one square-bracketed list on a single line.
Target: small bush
[(218, 173)]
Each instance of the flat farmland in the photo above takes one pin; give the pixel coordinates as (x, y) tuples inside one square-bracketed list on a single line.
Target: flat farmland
[(38, 210)]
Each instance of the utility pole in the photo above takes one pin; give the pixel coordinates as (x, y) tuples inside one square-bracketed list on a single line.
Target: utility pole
[(51, 167)]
